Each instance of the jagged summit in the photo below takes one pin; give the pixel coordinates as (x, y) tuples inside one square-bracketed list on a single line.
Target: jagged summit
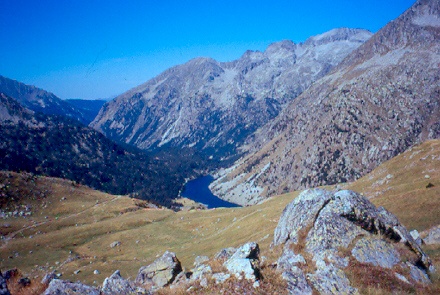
[(379, 101), (215, 106)]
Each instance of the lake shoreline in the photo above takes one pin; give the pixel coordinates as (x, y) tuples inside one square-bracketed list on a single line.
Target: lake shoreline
[(198, 191)]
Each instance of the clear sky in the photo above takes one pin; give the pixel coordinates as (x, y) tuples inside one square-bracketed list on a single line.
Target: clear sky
[(98, 49)]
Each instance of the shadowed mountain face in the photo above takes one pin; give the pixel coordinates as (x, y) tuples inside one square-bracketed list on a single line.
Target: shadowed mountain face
[(89, 108), (39, 100), (383, 98), (62, 147), (215, 106)]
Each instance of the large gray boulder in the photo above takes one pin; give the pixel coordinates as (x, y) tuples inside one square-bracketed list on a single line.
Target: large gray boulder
[(57, 287), (116, 284), (433, 236), (161, 272), (245, 262), (333, 228)]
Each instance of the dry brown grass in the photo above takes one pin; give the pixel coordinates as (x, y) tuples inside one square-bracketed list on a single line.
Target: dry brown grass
[(79, 229), (16, 288)]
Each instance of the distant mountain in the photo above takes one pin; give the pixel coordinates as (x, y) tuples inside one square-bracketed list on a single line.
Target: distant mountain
[(62, 147), (383, 98), (40, 100), (214, 106), (89, 108)]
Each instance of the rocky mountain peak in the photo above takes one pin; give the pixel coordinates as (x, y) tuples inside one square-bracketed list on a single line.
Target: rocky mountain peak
[(340, 34), (379, 101), (215, 106)]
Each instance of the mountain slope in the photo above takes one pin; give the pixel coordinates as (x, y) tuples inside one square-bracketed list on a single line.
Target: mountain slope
[(215, 106), (383, 98), (62, 147), (86, 222), (40, 100), (89, 108)]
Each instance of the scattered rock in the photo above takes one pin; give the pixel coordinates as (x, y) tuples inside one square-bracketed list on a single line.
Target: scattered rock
[(161, 272), (96, 272), (76, 271), (220, 277), (433, 236), (332, 227), (418, 274), (225, 254), (115, 244), (57, 287), (3, 285), (200, 272), (245, 261), (116, 284), (48, 278), (200, 259), (416, 236)]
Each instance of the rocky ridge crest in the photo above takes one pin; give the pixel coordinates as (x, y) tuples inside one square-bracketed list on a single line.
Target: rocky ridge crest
[(382, 99), (214, 106)]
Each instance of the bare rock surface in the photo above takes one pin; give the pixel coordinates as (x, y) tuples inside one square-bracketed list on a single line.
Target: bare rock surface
[(214, 106), (245, 262), (57, 287), (116, 284), (378, 102), (433, 236), (330, 229), (161, 272)]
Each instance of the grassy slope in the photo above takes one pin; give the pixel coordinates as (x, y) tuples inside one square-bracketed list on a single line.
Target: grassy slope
[(88, 221)]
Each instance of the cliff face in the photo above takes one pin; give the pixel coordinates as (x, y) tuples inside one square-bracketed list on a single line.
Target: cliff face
[(215, 106), (383, 98)]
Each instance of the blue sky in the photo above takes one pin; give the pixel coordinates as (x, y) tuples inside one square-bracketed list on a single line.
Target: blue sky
[(99, 49)]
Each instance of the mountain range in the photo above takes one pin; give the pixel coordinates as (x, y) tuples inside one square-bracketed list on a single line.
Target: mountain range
[(214, 106), (381, 99), (63, 147), (321, 112)]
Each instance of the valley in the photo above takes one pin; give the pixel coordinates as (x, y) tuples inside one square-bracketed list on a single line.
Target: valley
[(302, 168), (73, 227)]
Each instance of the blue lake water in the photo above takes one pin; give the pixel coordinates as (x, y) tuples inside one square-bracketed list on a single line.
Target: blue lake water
[(198, 190)]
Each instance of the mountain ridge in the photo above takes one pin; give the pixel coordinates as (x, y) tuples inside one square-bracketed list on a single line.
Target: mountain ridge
[(362, 113), (213, 105), (40, 100)]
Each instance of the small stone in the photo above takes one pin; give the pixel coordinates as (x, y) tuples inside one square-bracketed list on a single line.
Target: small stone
[(427, 176), (77, 271), (115, 244), (96, 272)]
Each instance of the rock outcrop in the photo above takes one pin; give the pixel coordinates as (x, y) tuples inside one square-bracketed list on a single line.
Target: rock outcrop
[(245, 262), (336, 230), (116, 284), (214, 106), (161, 272), (57, 287), (382, 99)]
